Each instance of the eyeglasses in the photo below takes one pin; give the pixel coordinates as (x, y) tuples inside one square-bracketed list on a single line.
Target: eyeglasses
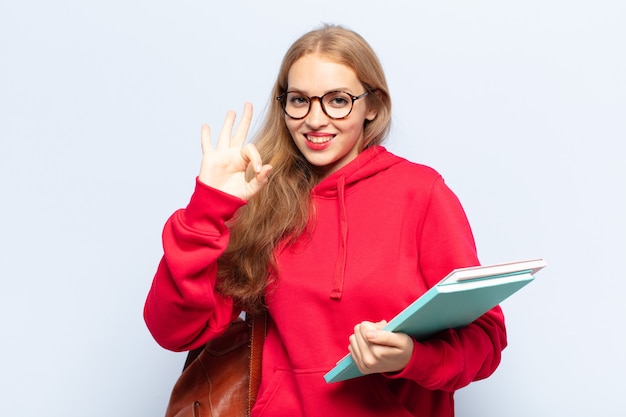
[(335, 104)]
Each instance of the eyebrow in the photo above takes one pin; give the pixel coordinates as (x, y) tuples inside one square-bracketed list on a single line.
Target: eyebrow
[(298, 90)]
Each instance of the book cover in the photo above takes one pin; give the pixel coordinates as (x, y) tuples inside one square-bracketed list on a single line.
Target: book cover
[(456, 301)]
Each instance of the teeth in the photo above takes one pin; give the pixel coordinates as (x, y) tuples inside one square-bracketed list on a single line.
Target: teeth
[(318, 139)]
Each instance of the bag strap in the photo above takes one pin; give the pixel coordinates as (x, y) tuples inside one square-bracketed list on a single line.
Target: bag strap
[(257, 339)]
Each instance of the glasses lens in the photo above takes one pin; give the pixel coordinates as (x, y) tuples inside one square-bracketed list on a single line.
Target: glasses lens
[(335, 104), (296, 105)]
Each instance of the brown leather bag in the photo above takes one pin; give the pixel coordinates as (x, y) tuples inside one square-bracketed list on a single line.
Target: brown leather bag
[(222, 378)]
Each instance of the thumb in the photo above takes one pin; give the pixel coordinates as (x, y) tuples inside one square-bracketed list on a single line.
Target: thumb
[(372, 333), (381, 324), (260, 179)]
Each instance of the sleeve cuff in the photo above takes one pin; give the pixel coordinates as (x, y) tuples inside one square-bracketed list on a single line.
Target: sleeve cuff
[(209, 208)]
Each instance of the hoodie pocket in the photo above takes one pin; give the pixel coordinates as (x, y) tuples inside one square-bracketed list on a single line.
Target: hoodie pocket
[(278, 398), (293, 393)]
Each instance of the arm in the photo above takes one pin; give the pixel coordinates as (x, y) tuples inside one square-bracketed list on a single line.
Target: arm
[(450, 359), (183, 310), (453, 358)]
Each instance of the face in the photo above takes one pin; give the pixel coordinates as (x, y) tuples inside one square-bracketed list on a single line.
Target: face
[(326, 143)]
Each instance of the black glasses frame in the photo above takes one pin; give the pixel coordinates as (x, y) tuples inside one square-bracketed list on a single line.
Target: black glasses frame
[(282, 98)]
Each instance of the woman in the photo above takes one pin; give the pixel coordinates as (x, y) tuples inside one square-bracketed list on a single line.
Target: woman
[(332, 234)]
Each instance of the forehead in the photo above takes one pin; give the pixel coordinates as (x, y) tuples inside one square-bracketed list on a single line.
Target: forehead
[(315, 74)]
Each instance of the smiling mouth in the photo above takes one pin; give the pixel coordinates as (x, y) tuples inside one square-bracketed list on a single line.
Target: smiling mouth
[(319, 139)]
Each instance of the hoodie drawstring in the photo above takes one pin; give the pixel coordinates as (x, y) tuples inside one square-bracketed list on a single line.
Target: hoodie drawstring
[(340, 264)]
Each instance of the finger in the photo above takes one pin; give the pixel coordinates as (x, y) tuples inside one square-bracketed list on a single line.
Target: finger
[(241, 132), (355, 352), (362, 355), (260, 180), (205, 138), (223, 140), (384, 338), (360, 338), (373, 330), (251, 156), (354, 355)]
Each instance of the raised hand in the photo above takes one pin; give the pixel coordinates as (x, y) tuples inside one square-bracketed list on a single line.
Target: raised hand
[(231, 166), (377, 351)]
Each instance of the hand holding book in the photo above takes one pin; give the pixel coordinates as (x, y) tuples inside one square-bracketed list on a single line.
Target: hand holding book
[(375, 350), (456, 301)]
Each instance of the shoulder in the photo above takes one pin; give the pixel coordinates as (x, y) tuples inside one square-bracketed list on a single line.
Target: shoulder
[(413, 171)]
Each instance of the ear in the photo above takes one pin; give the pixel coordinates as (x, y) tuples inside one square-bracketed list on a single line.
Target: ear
[(371, 115), (372, 112)]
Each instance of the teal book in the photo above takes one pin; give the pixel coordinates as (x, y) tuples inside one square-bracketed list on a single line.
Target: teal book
[(456, 301)]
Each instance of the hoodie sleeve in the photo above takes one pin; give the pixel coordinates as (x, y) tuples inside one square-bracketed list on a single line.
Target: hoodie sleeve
[(182, 309), (453, 358)]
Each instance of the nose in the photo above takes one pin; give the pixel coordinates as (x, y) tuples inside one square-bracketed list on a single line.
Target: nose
[(316, 117)]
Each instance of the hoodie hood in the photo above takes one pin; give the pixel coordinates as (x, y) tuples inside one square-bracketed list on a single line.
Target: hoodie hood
[(368, 163)]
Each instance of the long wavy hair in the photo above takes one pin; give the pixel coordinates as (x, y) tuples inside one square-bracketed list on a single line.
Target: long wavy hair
[(280, 213)]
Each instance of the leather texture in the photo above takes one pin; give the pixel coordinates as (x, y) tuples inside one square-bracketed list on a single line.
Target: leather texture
[(222, 378)]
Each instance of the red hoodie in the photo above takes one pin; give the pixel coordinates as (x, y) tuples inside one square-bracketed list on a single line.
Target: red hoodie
[(385, 231)]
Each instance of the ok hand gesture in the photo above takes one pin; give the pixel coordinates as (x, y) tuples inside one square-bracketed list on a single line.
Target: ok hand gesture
[(231, 166)]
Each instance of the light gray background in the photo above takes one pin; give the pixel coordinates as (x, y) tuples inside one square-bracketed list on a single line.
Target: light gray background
[(519, 104)]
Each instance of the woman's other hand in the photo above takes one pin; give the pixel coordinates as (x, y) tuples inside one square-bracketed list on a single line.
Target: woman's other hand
[(231, 166), (377, 351)]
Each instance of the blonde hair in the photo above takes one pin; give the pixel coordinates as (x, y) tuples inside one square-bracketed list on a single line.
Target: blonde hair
[(282, 210)]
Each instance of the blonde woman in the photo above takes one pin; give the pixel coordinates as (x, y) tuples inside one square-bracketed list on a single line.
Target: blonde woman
[(317, 223)]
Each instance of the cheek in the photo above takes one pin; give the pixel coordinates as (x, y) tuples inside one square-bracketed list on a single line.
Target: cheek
[(354, 129), (292, 126)]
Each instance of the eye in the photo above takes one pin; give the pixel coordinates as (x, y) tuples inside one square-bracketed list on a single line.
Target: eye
[(297, 100), (337, 100)]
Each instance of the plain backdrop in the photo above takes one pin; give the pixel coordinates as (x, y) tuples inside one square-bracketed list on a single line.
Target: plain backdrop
[(520, 105)]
